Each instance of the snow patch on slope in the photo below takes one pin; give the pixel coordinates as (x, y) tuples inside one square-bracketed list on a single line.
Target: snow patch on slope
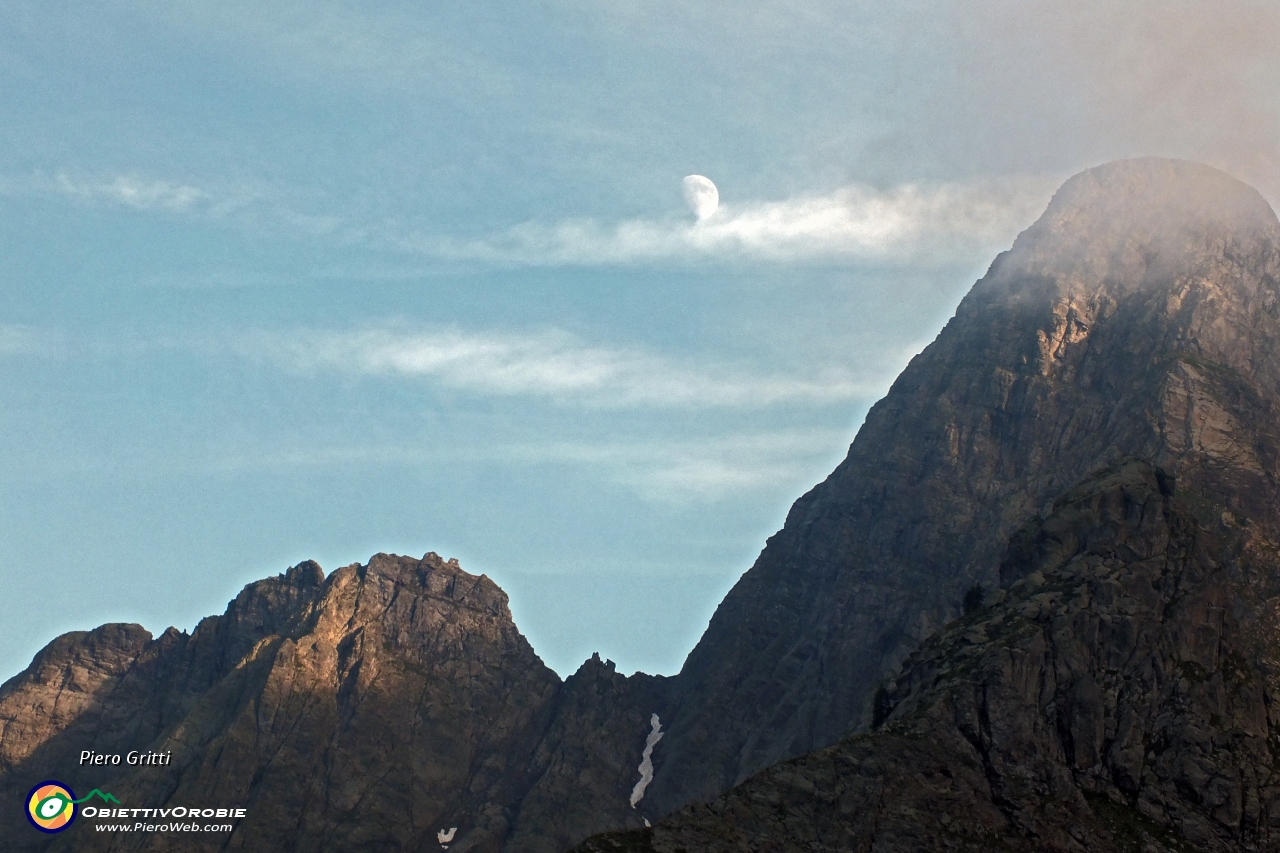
[(646, 765)]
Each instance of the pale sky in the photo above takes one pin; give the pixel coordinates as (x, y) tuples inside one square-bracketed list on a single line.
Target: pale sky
[(320, 279)]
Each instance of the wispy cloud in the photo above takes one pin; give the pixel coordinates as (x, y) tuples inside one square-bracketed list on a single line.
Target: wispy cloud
[(910, 223), (907, 224), (552, 364), (675, 468), (707, 470), (128, 191), (257, 208), (670, 470)]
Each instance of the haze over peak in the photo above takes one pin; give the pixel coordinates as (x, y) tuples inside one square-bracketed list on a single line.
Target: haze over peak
[(1133, 220), (1159, 190)]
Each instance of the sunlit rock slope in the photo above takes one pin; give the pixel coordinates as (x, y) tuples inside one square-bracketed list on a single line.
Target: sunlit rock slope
[(369, 710)]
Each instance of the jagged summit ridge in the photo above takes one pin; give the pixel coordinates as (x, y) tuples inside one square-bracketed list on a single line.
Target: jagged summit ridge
[(374, 708)]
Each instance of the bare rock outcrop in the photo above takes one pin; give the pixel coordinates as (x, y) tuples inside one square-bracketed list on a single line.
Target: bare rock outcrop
[(1139, 316), (1107, 701), (369, 710)]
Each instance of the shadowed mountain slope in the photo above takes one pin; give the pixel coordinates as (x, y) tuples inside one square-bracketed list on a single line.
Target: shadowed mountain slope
[(1105, 703), (1109, 700), (1137, 317)]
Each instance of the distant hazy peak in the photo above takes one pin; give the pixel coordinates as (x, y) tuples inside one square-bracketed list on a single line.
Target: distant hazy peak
[(1130, 221), (1155, 189)]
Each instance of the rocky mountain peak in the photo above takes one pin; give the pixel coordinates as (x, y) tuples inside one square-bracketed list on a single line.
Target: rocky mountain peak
[(440, 579), (1135, 223), (1138, 317), (377, 708), (1179, 249)]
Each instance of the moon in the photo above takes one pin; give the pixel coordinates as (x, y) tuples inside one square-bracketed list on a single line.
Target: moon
[(701, 195)]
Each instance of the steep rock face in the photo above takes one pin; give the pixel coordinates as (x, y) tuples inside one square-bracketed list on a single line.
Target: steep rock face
[(588, 780), (115, 685), (1108, 701), (1138, 317), (367, 711)]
